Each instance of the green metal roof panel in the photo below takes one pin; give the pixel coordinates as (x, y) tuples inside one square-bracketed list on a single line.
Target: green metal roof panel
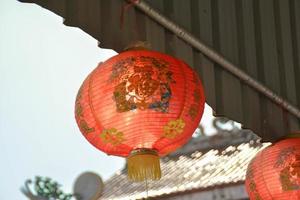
[(262, 37)]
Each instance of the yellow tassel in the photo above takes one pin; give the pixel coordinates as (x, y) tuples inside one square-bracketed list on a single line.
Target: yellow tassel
[(143, 164)]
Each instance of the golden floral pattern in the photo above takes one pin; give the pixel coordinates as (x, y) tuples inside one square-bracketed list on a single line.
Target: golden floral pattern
[(289, 164), (193, 111), (173, 128), (146, 85), (78, 110), (85, 127), (112, 136)]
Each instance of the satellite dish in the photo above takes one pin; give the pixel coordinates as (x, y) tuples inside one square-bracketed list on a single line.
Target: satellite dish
[(88, 186)]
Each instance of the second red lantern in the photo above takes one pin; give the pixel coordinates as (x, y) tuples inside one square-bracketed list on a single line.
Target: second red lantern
[(140, 104), (274, 173)]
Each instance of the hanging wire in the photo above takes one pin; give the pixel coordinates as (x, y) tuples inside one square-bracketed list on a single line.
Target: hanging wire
[(146, 189)]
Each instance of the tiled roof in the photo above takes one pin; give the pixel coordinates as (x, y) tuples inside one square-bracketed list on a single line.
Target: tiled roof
[(189, 171)]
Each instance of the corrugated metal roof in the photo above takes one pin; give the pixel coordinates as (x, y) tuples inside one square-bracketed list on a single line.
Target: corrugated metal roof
[(262, 37), (197, 170)]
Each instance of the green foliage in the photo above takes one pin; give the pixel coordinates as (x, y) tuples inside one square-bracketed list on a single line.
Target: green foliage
[(46, 187)]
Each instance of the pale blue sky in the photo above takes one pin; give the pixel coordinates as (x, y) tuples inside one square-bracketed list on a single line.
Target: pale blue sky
[(42, 65)]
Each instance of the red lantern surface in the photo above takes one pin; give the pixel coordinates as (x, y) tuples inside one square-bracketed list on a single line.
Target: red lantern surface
[(274, 173), (140, 100)]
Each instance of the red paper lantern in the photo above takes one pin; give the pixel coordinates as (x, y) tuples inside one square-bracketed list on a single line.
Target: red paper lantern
[(140, 104), (274, 173)]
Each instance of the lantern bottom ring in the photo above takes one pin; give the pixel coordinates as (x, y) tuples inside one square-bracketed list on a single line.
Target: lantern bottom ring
[(143, 164)]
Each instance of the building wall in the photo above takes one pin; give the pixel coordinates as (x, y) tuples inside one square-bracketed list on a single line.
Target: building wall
[(236, 192)]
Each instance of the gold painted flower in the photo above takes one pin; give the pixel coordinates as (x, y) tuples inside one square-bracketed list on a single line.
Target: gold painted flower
[(295, 167), (174, 128), (112, 136), (193, 111), (85, 127), (78, 110)]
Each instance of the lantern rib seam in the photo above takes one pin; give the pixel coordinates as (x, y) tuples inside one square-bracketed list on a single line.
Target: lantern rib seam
[(181, 112), (185, 97), (185, 89), (91, 103), (92, 107), (263, 176)]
